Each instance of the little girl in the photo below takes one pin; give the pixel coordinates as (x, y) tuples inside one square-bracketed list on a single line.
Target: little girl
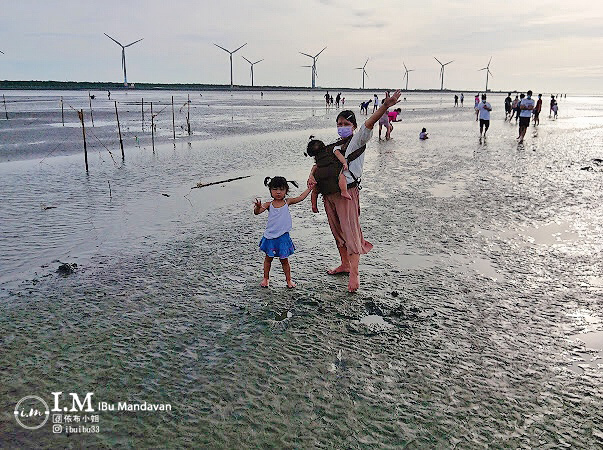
[(276, 241)]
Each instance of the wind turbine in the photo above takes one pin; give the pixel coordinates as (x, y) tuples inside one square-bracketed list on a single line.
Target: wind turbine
[(314, 58), (363, 71), (442, 71), (123, 55), (406, 71), (487, 69), (229, 52), (252, 64)]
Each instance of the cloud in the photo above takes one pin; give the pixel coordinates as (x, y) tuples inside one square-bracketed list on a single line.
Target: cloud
[(573, 17), (580, 71), (553, 38), (369, 24)]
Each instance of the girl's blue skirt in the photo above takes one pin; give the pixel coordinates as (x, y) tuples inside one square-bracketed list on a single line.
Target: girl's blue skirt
[(281, 247)]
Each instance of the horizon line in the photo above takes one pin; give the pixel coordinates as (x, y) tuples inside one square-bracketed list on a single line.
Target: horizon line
[(160, 85)]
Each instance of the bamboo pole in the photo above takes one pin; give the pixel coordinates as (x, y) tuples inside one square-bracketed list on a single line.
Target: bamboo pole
[(121, 142), (200, 185), (152, 128), (91, 115), (188, 115), (62, 111), (80, 113), (173, 120), (142, 112), (5, 110)]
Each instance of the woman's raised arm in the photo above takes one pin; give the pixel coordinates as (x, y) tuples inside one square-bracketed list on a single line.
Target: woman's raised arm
[(387, 103)]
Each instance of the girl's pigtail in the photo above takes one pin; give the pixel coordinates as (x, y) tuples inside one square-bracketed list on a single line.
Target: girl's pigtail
[(293, 183), (266, 181)]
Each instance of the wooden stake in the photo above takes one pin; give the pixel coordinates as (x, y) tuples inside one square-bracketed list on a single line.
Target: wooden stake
[(152, 128), (173, 120), (142, 111), (62, 112), (5, 110), (80, 113), (121, 142), (91, 115), (188, 115)]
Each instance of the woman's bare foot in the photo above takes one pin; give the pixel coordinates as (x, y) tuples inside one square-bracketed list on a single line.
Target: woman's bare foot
[(346, 195), (337, 270), (354, 283), (291, 284), (264, 282)]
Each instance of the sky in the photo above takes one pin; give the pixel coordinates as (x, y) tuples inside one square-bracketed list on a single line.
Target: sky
[(543, 45)]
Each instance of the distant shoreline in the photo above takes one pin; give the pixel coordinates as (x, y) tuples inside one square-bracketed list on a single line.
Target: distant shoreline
[(104, 86)]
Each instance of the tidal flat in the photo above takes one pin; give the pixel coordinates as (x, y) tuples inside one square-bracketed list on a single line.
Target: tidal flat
[(478, 322)]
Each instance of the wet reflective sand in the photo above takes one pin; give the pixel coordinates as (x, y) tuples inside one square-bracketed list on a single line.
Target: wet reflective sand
[(478, 321)]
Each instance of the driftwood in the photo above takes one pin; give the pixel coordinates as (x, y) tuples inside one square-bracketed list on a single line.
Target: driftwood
[(200, 185)]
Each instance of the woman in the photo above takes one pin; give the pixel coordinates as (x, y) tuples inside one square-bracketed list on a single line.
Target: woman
[(344, 214)]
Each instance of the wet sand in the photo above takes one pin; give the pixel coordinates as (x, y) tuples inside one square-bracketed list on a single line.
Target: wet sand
[(465, 332)]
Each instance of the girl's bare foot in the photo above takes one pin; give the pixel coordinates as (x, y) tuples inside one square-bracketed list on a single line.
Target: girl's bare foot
[(340, 269), (291, 284), (264, 282), (346, 195), (354, 283)]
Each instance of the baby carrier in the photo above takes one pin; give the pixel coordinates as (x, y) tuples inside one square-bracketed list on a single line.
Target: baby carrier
[(328, 167)]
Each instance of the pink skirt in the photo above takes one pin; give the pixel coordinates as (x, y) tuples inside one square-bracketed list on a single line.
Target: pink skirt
[(344, 220)]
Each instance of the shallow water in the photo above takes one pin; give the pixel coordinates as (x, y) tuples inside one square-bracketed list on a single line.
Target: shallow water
[(478, 322)]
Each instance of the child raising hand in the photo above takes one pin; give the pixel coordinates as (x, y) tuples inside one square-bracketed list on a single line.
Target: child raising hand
[(276, 241)]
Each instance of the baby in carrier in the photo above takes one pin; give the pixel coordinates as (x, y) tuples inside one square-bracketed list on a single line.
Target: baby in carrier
[(328, 172)]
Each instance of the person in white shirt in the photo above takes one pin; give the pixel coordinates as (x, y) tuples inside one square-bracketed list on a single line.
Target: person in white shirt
[(344, 215), (526, 106), (483, 108)]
